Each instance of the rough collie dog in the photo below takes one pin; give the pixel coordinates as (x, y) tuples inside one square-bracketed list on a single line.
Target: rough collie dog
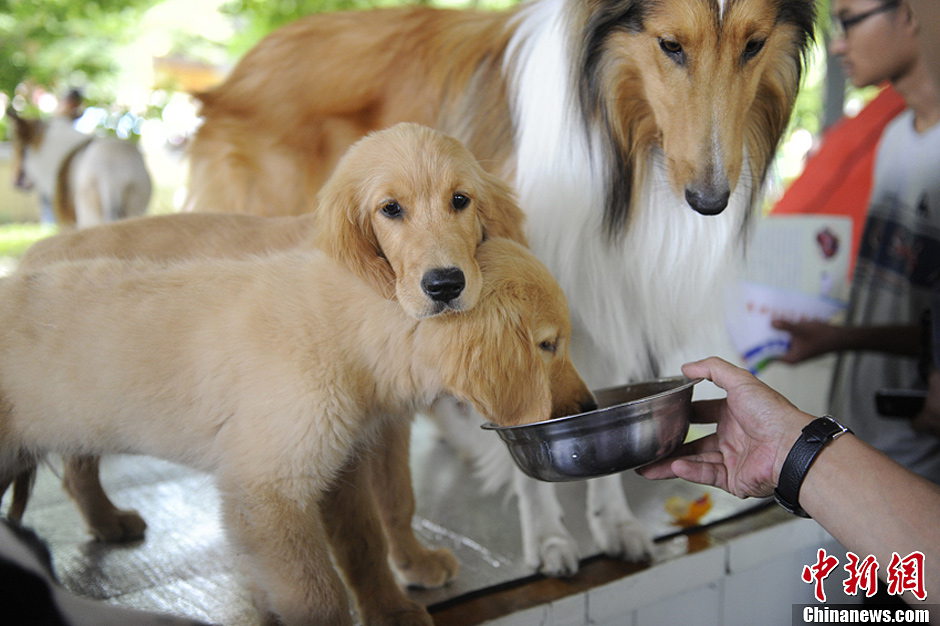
[(274, 374), (89, 180), (637, 134), (404, 210)]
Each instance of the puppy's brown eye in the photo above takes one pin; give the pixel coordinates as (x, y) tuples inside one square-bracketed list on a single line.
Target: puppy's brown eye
[(459, 201), (392, 210), (548, 346)]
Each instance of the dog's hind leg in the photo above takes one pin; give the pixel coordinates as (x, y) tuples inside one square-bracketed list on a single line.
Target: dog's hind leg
[(21, 475), (106, 521), (275, 529), (416, 565), (22, 487), (614, 527), (359, 546)]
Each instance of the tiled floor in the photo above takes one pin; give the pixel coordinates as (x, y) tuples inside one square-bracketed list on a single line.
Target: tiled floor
[(184, 566)]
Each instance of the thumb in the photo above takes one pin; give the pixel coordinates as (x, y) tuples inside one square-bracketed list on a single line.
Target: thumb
[(781, 324)]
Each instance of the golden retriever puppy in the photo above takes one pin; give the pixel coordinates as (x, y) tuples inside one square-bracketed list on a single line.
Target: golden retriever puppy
[(446, 204), (405, 210), (274, 374)]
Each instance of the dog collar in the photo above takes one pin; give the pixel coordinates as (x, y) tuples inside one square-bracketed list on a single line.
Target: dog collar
[(813, 438)]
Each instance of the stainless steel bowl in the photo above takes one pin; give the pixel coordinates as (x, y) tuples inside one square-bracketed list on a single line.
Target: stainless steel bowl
[(634, 425)]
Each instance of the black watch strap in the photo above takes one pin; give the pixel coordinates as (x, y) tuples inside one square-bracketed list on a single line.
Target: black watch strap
[(814, 437)]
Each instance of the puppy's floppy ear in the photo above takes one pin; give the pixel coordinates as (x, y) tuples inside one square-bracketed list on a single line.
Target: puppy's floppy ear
[(499, 212), (525, 392), (486, 359), (344, 232)]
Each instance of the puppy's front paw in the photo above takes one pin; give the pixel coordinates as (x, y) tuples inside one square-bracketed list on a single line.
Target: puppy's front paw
[(118, 526), (428, 569), (623, 537)]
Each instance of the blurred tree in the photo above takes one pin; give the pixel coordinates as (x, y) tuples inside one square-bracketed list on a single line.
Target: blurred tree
[(56, 43)]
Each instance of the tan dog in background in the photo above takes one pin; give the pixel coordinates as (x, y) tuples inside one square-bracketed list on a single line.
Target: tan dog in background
[(88, 179), (274, 374), (414, 167)]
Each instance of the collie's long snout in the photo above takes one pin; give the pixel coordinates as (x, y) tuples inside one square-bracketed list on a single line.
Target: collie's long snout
[(707, 157)]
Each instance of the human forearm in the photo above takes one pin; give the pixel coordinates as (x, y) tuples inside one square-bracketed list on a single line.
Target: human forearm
[(903, 340), (872, 505), (811, 339), (864, 499)]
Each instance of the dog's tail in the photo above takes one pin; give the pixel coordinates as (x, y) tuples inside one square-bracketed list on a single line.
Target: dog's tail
[(22, 488)]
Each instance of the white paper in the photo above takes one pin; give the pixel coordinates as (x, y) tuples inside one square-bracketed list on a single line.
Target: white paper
[(796, 269)]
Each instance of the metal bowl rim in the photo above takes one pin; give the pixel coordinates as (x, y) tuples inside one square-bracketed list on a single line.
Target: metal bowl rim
[(688, 382)]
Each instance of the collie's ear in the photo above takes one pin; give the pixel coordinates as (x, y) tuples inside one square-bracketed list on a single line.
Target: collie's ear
[(499, 212), (344, 232)]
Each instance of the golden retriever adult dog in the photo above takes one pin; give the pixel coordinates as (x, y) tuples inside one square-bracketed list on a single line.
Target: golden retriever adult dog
[(405, 210), (637, 134), (274, 374)]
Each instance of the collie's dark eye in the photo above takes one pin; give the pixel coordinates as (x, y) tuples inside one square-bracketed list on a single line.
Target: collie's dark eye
[(392, 210), (673, 49), (548, 346), (753, 47), (459, 201)]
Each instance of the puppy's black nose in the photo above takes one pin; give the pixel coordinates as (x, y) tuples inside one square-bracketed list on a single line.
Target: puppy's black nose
[(443, 284)]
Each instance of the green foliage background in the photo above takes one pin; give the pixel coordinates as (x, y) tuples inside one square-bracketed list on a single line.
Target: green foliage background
[(59, 42)]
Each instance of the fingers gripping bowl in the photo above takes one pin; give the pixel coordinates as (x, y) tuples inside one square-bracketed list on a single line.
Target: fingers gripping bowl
[(634, 425)]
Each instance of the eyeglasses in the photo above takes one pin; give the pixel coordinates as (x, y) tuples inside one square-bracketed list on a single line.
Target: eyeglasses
[(841, 25)]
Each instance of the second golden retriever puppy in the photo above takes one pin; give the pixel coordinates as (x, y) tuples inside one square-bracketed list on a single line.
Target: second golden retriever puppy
[(273, 374), (405, 210)]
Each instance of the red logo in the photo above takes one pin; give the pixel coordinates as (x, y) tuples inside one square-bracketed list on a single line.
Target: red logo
[(906, 574), (902, 574), (862, 575), (818, 572)]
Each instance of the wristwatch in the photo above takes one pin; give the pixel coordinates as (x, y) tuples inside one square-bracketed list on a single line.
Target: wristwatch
[(814, 437)]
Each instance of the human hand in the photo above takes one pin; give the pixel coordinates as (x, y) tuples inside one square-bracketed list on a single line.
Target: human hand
[(756, 429), (808, 339)]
